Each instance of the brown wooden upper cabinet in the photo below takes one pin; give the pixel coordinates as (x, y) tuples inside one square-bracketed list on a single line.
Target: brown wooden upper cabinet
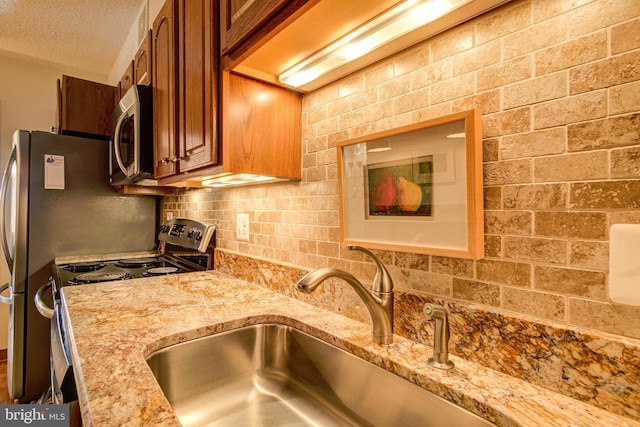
[(185, 87), (142, 62), (84, 108), (126, 81), (246, 23), (163, 80)]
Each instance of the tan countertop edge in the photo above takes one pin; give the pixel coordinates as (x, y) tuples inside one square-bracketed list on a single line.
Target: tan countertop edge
[(114, 326)]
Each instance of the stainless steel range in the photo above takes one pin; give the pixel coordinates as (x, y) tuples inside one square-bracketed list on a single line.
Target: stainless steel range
[(185, 246)]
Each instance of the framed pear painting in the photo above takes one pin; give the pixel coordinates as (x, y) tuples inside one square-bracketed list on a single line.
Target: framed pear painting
[(415, 189)]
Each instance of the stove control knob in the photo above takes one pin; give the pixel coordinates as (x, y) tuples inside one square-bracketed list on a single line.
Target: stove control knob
[(197, 235), (190, 234)]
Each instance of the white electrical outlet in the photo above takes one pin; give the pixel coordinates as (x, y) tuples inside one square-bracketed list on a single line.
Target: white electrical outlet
[(242, 227)]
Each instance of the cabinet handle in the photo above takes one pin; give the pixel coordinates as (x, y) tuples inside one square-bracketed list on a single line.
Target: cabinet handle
[(166, 160)]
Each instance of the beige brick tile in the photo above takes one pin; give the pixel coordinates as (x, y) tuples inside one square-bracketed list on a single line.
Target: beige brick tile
[(378, 73), (580, 225), (432, 112), (336, 137), (488, 102), (411, 101), (605, 195), (490, 150), (601, 14), (591, 255), (625, 162), (493, 198), (506, 123), (475, 59), (607, 133), (536, 249), (431, 74), (533, 144), (545, 9), (625, 37), (452, 42), (504, 272), (453, 266), (617, 319), (351, 84), (363, 98), (572, 53), (536, 37), (572, 167), (339, 106), (328, 126), (503, 21), (393, 88), (436, 284), (378, 111), (539, 304), (508, 222), (412, 59), (535, 197), (476, 292), (493, 246), (507, 172), (350, 119), (412, 261), (605, 73), (588, 106), (457, 87), (624, 98), (505, 72), (366, 129), (625, 217), (545, 88)]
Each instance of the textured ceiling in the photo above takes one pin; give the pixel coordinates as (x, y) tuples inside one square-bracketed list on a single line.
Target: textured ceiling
[(82, 34)]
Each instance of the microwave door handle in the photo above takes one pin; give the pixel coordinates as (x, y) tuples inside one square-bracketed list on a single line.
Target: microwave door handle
[(116, 144), (3, 205)]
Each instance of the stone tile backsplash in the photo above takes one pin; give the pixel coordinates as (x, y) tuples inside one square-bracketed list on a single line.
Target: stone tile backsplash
[(558, 83)]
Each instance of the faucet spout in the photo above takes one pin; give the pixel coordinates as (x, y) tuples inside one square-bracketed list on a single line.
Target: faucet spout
[(379, 303)]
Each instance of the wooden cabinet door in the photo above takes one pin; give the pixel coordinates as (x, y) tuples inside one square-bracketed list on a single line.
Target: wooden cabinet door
[(198, 84), (142, 62), (163, 79), (261, 128), (239, 18), (85, 107), (126, 81)]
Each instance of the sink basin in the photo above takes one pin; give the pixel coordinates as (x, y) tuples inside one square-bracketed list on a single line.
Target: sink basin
[(275, 375)]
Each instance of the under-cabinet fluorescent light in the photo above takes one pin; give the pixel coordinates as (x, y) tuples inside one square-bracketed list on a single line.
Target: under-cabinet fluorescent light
[(396, 22), (235, 180)]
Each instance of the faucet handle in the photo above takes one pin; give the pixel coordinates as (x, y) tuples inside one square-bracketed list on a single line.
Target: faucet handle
[(382, 281)]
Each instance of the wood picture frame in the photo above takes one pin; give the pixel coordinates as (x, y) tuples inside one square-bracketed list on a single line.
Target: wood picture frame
[(416, 189)]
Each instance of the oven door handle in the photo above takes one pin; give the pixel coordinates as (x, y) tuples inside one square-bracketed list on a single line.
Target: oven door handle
[(6, 300), (43, 308)]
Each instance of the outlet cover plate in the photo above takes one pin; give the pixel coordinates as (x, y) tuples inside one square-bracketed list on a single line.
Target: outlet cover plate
[(242, 227)]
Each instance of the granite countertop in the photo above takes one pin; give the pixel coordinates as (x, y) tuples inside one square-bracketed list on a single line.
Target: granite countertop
[(114, 325)]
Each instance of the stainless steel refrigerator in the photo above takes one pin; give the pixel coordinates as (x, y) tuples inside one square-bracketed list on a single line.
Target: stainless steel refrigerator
[(56, 200)]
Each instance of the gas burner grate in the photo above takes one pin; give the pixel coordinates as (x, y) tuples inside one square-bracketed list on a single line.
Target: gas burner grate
[(82, 267), (137, 262)]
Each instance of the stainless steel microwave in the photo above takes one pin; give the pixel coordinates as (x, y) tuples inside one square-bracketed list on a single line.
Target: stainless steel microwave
[(131, 148)]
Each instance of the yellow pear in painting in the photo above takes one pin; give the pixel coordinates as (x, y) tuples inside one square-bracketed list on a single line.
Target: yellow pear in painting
[(409, 195)]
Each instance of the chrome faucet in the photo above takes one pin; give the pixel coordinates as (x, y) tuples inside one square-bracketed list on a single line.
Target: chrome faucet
[(379, 300), (440, 357)]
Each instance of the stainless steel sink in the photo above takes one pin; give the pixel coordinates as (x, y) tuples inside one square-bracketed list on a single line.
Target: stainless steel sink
[(275, 375)]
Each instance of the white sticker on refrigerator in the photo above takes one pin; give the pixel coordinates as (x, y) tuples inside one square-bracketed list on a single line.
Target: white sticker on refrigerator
[(53, 172)]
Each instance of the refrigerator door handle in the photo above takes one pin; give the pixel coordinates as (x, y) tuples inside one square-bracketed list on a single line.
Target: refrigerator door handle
[(6, 300), (42, 307), (3, 205)]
